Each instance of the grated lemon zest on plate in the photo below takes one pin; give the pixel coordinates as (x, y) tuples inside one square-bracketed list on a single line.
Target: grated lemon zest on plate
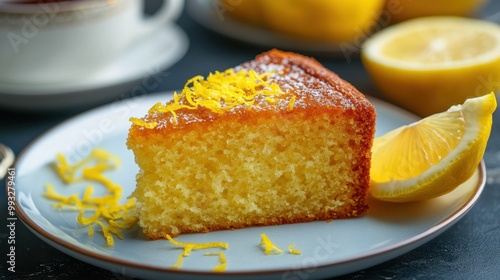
[(219, 92), (89, 220), (188, 247), (68, 173), (292, 250), (179, 261), (222, 265), (268, 245), (109, 214)]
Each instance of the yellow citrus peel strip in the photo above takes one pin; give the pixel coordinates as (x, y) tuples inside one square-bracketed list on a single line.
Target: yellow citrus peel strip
[(140, 122), (109, 214), (270, 248), (292, 250), (222, 265), (268, 245), (188, 247)]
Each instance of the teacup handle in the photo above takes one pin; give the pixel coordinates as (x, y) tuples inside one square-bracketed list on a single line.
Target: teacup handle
[(169, 11)]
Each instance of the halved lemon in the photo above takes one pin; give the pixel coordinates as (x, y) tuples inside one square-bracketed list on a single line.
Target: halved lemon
[(425, 65), (433, 156)]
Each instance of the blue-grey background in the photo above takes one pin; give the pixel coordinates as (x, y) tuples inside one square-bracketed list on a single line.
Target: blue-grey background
[(468, 250)]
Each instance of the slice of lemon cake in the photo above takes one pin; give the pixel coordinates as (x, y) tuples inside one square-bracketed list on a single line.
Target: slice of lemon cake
[(276, 140)]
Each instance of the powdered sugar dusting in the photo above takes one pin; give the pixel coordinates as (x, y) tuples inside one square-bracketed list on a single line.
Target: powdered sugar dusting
[(309, 89)]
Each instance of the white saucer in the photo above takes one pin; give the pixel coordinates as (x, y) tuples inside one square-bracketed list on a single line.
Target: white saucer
[(131, 74)]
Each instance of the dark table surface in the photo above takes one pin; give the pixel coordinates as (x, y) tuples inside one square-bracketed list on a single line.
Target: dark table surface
[(470, 249)]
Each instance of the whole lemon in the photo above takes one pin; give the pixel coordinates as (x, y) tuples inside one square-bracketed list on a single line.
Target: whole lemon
[(244, 10), (320, 21), (407, 9), (323, 20)]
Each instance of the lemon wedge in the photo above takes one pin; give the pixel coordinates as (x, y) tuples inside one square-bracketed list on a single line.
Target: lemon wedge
[(433, 156), (425, 65)]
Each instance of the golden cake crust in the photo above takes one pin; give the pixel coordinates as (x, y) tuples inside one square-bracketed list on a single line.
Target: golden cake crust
[(314, 87)]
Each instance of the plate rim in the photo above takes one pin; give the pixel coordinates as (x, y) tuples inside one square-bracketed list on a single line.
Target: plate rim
[(47, 237)]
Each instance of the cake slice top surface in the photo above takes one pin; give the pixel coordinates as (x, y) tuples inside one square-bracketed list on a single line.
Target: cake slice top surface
[(275, 81)]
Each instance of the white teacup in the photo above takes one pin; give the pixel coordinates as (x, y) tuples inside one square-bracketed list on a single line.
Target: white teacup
[(54, 41)]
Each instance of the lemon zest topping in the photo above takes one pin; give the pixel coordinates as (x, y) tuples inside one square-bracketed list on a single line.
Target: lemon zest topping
[(271, 100), (222, 265), (268, 245), (109, 214), (140, 122), (219, 92), (292, 250), (291, 103)]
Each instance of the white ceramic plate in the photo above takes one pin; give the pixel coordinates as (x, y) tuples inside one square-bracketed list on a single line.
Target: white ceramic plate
[(133, 73), (214, 17), (328, 248)]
